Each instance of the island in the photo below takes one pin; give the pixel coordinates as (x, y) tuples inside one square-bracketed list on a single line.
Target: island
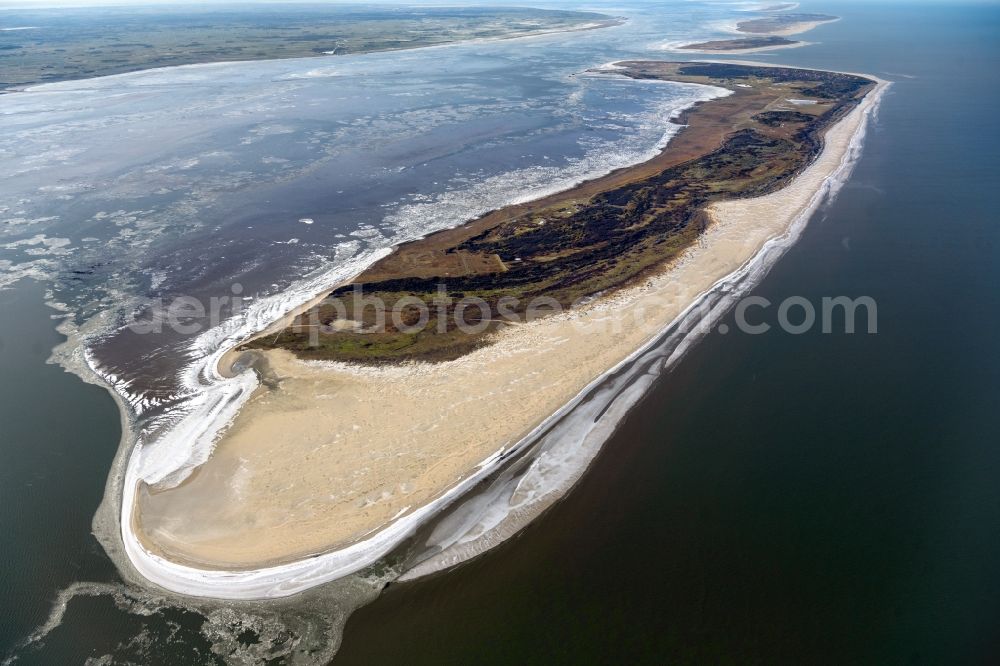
[(784, 24), (768, 33), (360, 430), (742, 45)]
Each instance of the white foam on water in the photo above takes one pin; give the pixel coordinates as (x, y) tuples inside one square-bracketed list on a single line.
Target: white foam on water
[(212, 400), (318, 73)]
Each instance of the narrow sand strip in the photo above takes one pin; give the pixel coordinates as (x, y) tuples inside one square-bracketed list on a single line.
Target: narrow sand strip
[(723, 52), (791, 29)]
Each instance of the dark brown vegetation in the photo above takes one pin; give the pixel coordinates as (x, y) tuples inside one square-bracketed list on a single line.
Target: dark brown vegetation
[(598, 237), (740, 44)]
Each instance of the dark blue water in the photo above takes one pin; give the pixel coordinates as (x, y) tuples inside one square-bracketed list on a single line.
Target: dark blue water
[(49, 493), (59, 437)]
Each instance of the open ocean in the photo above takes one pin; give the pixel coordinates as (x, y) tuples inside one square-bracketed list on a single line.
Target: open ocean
[(775, 498)]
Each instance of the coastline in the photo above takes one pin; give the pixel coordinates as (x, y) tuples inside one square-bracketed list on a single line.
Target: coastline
[(610, 22), (725, 251), (635, 374), (797, 28), (792, 29), (757, 49)]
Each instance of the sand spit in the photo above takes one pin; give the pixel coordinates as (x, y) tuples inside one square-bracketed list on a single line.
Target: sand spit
[(325, 475), (692, 48), (790, 29)]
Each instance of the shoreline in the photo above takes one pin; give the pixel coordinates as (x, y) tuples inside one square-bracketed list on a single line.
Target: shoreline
[(792, 29), (755, 49), (668, 347), (732, 27), (610, 22), (289, 578)]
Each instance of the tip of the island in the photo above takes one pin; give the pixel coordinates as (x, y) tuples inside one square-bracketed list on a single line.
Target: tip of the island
[(765, 34)]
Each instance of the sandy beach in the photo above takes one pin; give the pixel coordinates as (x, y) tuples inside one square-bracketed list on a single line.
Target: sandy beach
[(791, 29), (692, 48), (341, 455)]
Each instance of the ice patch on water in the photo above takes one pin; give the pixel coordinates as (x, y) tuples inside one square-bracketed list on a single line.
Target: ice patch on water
[(431, 212), (211, 400), (41, 245), (318, 73)]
